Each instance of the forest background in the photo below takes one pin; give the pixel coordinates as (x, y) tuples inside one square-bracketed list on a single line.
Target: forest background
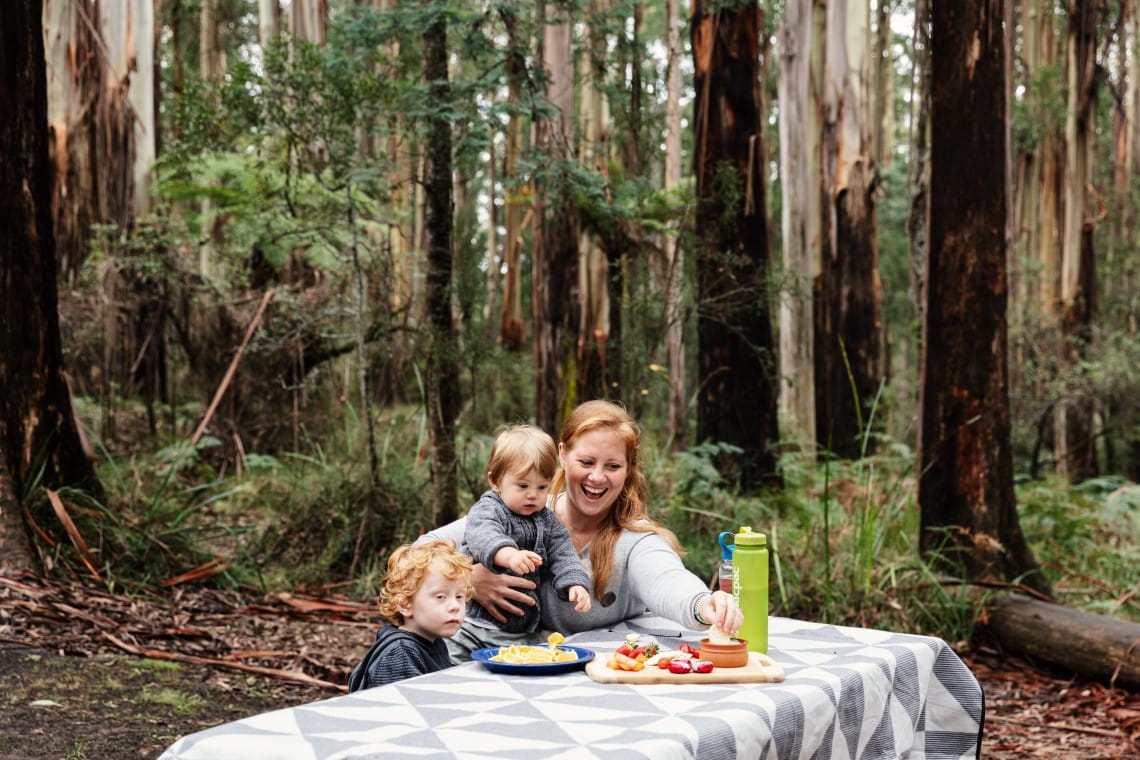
[(310, 257)]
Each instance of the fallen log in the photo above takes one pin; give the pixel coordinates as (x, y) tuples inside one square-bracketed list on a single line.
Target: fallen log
[(1099, 647)]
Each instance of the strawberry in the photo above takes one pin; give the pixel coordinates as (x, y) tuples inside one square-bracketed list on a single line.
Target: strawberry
[(681, 666)]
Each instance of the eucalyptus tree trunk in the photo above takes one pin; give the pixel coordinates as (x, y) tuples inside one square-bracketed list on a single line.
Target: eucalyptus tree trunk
[(100, 140), (1126, 267), (1074, 440), (918, 171), (883, 86), (212, 67), (516, 191), (309, 20), (401, 241), (130, 36), (674, 255), (736, 403), (39, 439), (268, 21), (968, 510), (444, 396), (800, 55), (556, 298), (1042, 204), (594, 264), (848, 318)]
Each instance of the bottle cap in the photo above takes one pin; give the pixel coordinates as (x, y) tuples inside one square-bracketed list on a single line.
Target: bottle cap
[(726, 548), (745, 537)]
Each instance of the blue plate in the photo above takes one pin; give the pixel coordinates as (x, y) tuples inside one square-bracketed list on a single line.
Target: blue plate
[(536, 669)]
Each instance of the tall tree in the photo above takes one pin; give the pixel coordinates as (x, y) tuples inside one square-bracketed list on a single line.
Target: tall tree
[(39, 439), (918, 170), (800, 56), (516, 191), (268, 21), (736, 403), (848, 304), (556, 299), (102, 119), (1073, 439), (444, 397), (672, 251), (598, 265), (309, 20), (965, 460), (1038, 144)]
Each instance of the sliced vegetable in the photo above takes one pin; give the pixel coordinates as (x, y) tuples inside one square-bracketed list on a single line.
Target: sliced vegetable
[(680, 666), (628, 663)]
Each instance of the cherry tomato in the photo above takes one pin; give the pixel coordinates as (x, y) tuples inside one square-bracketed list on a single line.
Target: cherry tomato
[(680, 666)]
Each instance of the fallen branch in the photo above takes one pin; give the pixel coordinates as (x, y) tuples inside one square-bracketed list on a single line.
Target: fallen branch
[(72, 531), (229, 376), (285, 675), (1096, 646), (1059, 727)]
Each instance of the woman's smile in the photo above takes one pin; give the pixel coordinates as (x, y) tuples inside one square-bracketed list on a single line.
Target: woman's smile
[(596, 468)]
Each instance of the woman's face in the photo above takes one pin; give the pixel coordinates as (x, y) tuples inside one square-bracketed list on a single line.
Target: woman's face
[(596, 468)]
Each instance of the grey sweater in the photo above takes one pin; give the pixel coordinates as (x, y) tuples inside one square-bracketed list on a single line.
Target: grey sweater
[(492, 526), (648, 576)]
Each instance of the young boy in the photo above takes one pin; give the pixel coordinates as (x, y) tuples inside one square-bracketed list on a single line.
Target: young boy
[(425, 591), (510, 530)]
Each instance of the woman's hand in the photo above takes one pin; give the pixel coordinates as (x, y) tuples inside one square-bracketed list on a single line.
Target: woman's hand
[(721, 610), (501, 594)]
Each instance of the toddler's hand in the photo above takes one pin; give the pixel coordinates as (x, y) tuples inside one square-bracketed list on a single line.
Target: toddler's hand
[(581, 598), (524, 562)]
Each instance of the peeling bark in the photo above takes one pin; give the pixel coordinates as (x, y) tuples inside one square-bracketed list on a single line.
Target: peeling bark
[(39, 440), (736, 403)]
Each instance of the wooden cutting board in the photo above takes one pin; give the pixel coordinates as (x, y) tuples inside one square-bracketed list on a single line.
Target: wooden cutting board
[(760, 669)]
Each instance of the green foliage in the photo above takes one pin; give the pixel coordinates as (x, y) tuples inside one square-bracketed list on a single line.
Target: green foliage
[(1087, 539), (155, 521), (841, 539), (1040, 111)]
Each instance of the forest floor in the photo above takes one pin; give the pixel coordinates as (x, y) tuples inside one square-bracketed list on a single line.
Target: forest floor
[(85, 673)]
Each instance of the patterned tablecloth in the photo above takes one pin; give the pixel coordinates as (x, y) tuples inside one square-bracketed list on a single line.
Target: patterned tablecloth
[(848, 693)]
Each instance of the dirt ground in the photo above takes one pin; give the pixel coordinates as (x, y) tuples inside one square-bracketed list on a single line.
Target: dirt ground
[(70, 686), (121, 706)]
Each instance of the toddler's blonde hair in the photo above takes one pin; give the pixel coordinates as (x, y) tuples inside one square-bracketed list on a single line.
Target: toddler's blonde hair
[(517, 449)]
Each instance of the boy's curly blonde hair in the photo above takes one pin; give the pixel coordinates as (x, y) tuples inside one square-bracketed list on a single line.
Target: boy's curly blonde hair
[(409, 565)]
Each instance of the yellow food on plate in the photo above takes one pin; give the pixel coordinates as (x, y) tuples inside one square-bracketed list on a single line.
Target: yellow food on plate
[(518, 654)]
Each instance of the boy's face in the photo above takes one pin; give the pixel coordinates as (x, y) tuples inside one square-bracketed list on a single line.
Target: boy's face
[(523, 494), (437, 608)]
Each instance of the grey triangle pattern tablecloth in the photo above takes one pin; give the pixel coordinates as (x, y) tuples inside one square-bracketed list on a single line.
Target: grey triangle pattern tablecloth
[(848, 693)]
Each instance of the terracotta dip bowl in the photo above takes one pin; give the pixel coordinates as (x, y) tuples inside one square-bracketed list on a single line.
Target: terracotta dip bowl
[(732, 655)]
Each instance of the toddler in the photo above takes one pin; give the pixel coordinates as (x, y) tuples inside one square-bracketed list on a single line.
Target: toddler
[(511, 530)]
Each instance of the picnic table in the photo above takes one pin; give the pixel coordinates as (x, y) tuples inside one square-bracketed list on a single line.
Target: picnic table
[(847, 693)]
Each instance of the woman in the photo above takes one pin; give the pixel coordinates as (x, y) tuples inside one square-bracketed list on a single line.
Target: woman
[(634, 562)]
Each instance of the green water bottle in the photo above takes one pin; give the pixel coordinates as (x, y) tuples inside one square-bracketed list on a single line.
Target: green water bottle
[(750, 586)]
